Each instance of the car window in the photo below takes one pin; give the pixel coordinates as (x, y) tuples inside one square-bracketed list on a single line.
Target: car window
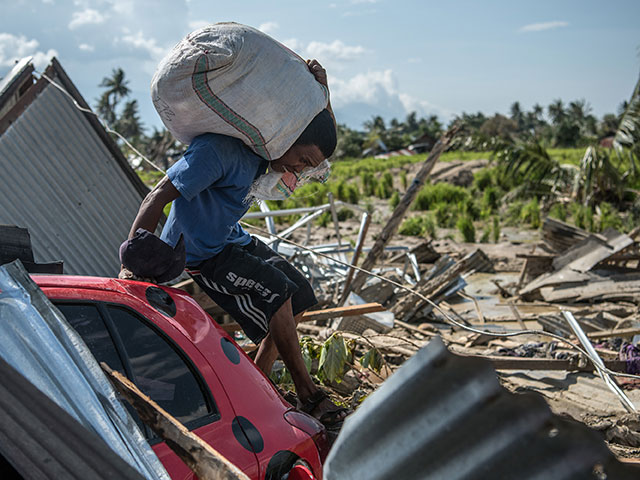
[(88, 323), (158, 369), (86, 320)]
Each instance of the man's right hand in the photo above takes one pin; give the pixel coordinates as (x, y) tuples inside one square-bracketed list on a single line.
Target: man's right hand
[(126, 274)]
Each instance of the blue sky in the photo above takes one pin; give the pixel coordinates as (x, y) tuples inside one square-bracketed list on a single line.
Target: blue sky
[(383, 57)]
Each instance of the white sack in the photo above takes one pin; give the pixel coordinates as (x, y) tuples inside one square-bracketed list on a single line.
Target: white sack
[(234, 80)]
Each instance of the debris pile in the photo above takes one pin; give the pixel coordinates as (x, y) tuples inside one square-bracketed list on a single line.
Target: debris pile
[(477, 303)]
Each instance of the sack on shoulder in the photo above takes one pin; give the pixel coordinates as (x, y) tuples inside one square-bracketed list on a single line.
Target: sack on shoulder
[(234, 80)]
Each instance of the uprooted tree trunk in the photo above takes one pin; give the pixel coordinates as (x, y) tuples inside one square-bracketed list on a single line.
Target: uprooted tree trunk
[(392, 225)]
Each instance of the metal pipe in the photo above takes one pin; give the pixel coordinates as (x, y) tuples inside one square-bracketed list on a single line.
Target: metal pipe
[(364, 227), (295, 211), (304, 220), (597, 361)]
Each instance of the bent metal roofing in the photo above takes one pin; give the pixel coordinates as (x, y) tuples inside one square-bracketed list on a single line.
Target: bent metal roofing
[(63, 177)]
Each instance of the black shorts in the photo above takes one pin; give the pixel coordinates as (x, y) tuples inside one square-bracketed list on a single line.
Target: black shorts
[(251, 283)]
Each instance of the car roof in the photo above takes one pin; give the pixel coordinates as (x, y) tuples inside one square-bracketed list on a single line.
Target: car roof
[(77, 281)]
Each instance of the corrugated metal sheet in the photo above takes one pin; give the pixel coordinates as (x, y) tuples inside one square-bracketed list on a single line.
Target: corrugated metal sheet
[(41, 346), (61, 182), (442, 416), (42, 441)]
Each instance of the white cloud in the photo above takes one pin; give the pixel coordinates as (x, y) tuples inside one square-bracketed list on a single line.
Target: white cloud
[(140, 42), (364, 87), (13, 48), (86, 17), (538, 27), (269, 27), (124, 8), (414, 60), (85, 47), (336, 50), (376, 93)]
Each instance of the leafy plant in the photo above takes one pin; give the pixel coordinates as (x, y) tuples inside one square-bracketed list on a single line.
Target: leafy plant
[(495, 230), (431, 195), (394, 200), (491, 198), (411, 226), (530, 166), (582, 216), (513, 213), (335, 355), (345, 214), (559, 211), (628, 133), (324, 219), (608, 217), (373, 360), (418, 226), (466, 228), (531, 213), (600, 179), (403, 179)]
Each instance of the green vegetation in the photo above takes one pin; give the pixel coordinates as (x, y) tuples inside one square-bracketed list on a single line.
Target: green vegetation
[(466, 228), (421, 225)]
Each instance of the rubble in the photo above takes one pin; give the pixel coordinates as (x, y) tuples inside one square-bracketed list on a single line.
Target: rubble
[(498, 290)]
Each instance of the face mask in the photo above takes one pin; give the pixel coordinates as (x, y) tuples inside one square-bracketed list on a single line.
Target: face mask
[(279, 186)]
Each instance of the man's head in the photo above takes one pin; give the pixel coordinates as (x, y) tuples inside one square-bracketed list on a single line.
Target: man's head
[(317, 142)]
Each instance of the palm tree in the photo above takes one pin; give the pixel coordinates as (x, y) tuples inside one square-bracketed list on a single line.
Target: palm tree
[(376, 124), (556, 111), (117, 89), (628, 134), (129, 124), (517, 115)]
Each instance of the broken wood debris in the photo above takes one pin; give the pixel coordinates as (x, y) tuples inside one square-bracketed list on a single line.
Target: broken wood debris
[(318, 315), (596, 276), (199, 456), (445, 275)]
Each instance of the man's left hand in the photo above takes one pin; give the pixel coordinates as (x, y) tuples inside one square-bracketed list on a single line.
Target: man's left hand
[(318, 72)]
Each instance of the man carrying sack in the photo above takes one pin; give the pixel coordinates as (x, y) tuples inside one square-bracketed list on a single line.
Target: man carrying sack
[(211, 188)]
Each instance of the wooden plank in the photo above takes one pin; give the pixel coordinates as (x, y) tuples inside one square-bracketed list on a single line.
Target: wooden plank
[(591, 251), (199, 456), (622, 332), (324, 314), (521, 363)]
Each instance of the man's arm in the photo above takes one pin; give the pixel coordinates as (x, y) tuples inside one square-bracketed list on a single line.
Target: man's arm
[(149, 215), (152, 206)]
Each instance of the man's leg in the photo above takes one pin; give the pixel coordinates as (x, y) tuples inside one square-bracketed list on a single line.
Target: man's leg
[(283, 333), (268, 353)]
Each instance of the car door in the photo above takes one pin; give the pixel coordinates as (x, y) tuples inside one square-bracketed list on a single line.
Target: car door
[(164, 365)]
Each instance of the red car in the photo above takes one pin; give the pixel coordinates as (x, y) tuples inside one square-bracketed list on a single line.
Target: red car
[(172, 350)]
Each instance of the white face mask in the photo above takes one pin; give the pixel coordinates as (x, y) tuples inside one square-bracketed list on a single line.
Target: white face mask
[(279, 186)]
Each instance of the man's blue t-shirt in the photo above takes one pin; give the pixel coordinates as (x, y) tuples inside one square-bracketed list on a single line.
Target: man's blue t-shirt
[(213, 178)]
